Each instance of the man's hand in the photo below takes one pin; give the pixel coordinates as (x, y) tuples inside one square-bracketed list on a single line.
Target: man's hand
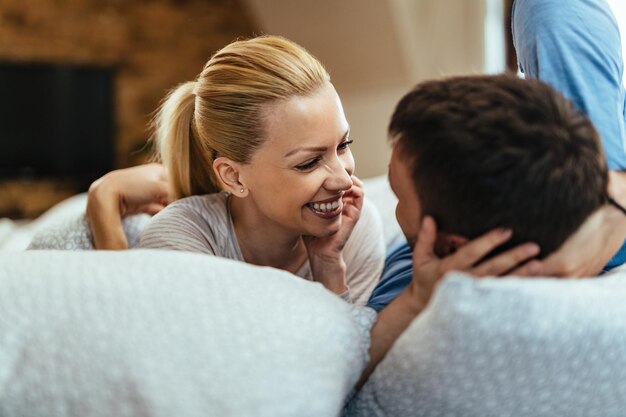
[(587, 251), (592, 246)]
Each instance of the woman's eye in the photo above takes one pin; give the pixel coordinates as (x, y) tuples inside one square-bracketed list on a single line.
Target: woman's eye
[(344, 145), (308, 165)]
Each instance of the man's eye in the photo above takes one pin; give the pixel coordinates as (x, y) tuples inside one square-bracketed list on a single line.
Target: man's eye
[(344, 145), (308, 165)]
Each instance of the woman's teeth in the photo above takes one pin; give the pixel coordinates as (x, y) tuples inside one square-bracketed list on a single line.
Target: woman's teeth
[(325, 206)]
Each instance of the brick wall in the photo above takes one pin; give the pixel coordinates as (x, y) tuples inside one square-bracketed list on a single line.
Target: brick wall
[(153, 44)]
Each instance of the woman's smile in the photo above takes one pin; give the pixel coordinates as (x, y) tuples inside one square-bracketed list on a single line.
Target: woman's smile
[(327, 209)]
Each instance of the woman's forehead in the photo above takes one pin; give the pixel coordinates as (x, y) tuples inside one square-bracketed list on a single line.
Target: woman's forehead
[(315, 120)]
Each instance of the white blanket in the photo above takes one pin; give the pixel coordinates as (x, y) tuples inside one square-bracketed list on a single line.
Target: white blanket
[(152, 333), (508, 347)]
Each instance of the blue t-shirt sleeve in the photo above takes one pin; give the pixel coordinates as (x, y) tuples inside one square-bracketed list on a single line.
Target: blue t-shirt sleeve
[(396, 276)]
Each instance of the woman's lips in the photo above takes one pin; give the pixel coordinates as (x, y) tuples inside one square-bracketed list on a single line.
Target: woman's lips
[(327, 210)]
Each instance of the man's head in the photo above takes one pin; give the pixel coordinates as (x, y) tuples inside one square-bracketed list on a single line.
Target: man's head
[(480, 152)]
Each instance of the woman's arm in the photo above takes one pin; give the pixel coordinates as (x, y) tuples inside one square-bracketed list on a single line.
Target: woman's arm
[(428, 269), (141, 189)]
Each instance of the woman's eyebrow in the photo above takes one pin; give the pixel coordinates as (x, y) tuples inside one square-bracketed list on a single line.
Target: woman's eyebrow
[(314, 148), (306, 148)]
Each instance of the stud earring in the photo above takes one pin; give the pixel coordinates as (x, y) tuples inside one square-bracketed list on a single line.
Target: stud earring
[(241, 191)]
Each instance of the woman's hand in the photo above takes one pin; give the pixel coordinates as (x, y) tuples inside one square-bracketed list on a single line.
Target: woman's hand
[(325, 253), (428, 268), (140, 189)]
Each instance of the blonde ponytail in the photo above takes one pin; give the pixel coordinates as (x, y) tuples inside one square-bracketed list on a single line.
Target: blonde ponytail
[(221, 113), (188, 164)]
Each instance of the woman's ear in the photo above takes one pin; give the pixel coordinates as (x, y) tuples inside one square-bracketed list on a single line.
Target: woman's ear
[(448, 243), (228, 172)]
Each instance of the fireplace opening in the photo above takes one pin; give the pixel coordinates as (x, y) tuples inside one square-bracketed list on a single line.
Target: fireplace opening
[(56, 122)]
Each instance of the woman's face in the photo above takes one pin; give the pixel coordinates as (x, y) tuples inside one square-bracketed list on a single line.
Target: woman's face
[(297, 177)]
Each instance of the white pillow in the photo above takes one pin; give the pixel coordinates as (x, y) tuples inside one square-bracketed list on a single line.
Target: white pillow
[(508, 347), (378, 191), (74, 233), (157, 333), (21, 233)]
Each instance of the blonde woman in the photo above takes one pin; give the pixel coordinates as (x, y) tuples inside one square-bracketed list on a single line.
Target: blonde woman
[(257, 150)]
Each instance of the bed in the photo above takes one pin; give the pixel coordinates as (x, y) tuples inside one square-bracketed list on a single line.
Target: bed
[(153, 333)]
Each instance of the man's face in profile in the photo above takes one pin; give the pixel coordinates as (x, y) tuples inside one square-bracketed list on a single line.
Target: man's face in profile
[(408, 210)]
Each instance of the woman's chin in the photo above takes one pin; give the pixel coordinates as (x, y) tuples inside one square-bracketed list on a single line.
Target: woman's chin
[(327, 231)]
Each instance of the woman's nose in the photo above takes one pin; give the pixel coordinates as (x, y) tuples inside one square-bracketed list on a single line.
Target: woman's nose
[(340, 176)]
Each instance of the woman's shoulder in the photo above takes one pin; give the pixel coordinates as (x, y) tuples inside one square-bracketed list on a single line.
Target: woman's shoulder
[(196, 223), (208, 208), (214, 202)]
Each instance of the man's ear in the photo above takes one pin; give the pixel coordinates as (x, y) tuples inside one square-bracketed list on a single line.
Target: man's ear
[(228, 172), (448, 243)]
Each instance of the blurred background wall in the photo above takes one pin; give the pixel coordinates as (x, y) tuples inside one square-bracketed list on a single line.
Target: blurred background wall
[(375, 51), (152, 45)]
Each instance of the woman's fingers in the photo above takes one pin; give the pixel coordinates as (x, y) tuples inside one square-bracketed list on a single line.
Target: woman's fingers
[(469, 254), (357, 181), (424, 249), (507, 261), (353, 199), (356, 192)]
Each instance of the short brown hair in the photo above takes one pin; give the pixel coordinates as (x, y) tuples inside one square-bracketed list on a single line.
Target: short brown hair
[(498, 151)]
